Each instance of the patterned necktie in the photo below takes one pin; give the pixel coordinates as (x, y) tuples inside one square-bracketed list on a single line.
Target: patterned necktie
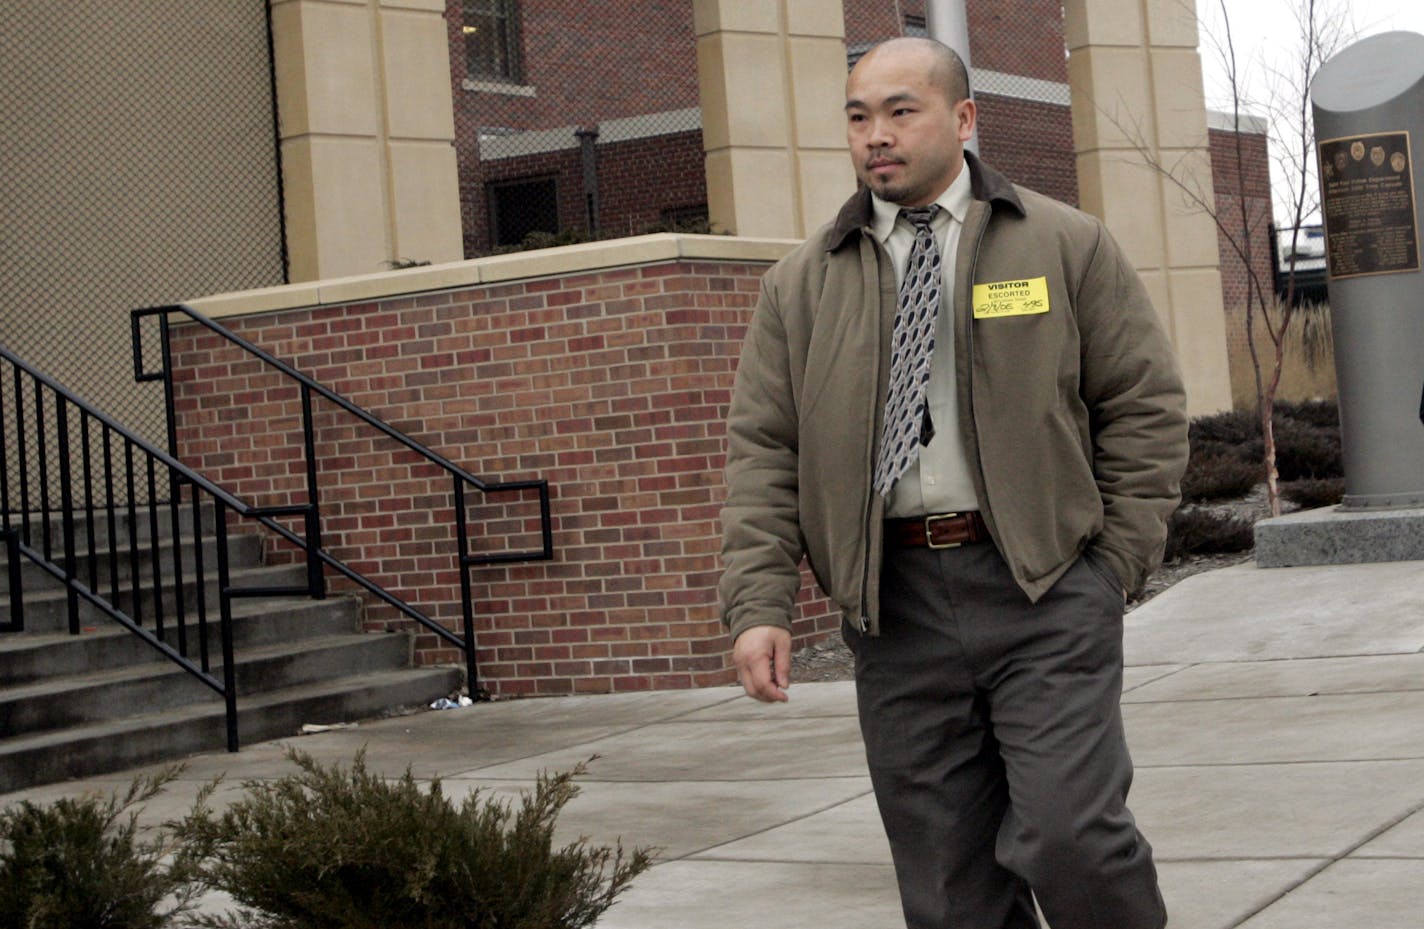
[(912, 345)]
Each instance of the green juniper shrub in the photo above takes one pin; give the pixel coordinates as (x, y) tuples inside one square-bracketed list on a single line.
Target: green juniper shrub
[(1211, 448), (85, 862), (1219, 477), (1197, 531), (1307, 438), (1305, 451), (1310, 493), (1232, 427), (1322, 414), (1226, 462), (327, 848)]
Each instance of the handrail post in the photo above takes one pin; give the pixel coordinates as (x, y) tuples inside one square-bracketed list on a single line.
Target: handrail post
[(17, 593), (22, 458), (154, 546), (200, 582), (89, 532), (42, 463), (467, 605), (166, 375), (175, 523), (225, 624), (169, 409), (316, 578), (4, 466), (66, 515), (546, 520)]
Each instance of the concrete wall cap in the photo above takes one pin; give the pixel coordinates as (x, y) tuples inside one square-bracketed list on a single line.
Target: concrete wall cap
[(548, 262)]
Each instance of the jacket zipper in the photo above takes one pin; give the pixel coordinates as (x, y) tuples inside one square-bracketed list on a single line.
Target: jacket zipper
[(969, 350), (863, 624)]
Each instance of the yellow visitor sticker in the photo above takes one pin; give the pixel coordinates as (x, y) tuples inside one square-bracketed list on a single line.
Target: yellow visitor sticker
[(1011, 298)]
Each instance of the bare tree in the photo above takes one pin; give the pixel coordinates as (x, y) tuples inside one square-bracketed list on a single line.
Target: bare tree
[(1321, 30)]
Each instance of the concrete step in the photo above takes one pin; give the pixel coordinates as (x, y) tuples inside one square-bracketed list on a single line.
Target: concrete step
[(46, 610), (73, 700), (29, 657), (142, 524), (113, 745), (94, 568)]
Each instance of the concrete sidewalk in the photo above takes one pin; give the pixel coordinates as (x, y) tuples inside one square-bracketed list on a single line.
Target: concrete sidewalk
[(1276, 717)]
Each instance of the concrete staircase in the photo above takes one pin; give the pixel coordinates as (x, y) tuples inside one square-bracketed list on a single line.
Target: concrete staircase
[(75, 706)]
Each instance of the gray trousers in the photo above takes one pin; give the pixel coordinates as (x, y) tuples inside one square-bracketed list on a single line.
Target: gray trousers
[(996, 748)]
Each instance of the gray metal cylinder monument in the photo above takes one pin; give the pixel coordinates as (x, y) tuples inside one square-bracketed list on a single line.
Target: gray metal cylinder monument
[(1369, 114)]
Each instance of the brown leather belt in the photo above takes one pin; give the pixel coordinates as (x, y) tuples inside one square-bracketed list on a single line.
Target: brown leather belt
[(942, 530)]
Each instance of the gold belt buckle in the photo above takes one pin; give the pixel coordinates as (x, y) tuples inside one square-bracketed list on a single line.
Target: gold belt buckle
[(929, 533)]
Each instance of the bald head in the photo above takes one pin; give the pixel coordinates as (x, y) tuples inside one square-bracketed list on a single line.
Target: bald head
[(908, 115), (944, 69)]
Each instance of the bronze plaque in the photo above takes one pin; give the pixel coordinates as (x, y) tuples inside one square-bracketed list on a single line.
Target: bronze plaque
[(1368, 202)]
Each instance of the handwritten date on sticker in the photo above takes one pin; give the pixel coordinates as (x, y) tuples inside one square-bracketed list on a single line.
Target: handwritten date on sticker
[(1011, 298)]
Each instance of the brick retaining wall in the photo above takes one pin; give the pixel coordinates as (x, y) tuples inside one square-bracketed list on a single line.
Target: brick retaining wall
[(613, 385)]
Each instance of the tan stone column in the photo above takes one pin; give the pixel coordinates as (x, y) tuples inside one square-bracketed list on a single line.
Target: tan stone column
[(1138, 114), (772, 79), (367, 135)]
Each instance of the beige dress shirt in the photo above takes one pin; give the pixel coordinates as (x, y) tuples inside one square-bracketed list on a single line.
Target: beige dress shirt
[(939, 481)]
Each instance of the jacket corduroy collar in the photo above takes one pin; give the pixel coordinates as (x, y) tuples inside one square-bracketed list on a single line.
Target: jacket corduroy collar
[(984, 183)]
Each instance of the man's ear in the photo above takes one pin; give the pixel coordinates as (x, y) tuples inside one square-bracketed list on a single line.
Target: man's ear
[(966, 116)]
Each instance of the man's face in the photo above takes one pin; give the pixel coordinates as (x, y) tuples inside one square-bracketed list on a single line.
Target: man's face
[(906, 137)]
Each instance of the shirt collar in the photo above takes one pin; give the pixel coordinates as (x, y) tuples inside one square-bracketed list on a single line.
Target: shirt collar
[(954, 201)]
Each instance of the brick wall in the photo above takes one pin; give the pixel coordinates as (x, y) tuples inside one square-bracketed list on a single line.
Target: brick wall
[(1299, 381), (587, 63), (639, 181), (1012, 36), (1231, 165), (868, 21), (634, 59), (611, 385), (1031, 143), (623, 59)]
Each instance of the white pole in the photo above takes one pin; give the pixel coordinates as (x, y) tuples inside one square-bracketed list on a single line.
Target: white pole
[(948, 22)]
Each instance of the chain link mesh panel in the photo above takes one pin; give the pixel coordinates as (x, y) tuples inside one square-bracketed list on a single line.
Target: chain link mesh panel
[(1019, 76), (138, 166), (571, 127)]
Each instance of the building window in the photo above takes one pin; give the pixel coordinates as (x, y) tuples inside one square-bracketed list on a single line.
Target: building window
[(491, 30), (518, 208), (915, 25)]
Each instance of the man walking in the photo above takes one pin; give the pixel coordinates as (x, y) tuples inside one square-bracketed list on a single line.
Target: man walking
[(957, 402)]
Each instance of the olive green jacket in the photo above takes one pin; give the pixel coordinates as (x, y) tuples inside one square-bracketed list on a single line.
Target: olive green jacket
[(1076, 426)]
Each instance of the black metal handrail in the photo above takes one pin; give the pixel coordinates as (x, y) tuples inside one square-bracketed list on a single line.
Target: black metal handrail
[(109, 489), (317, 556)]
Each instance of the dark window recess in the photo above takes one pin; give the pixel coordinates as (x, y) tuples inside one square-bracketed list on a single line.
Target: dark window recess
[(491, 29), (915, 25), (521, 207)]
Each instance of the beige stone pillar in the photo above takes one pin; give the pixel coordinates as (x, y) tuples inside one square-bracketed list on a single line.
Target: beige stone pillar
[(1138, 113), (367, 135), (772, 79)]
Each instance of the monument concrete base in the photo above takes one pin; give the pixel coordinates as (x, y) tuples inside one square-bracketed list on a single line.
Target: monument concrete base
[(1330, 535)]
